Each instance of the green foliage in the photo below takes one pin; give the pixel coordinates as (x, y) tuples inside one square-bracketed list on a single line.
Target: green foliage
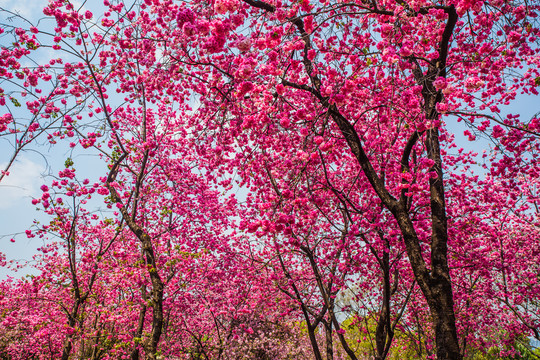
[(68, 162), (522, 347), (15, 102), (360, 334)]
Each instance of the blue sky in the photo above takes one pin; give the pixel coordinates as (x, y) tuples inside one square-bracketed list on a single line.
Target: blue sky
[(32, 165), (18, 189)]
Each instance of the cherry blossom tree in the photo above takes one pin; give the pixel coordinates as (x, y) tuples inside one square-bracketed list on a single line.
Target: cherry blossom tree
[(374, 79), (337, 122), (168, 226)]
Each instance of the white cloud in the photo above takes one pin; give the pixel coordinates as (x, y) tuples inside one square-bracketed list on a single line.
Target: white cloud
[(22, 183), (29, 9)]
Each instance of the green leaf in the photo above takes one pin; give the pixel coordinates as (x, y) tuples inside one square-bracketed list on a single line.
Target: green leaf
[(15, 102), (68, 162)]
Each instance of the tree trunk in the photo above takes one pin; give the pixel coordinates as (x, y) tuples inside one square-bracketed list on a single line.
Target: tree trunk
[(140, 326), (384, 333), (329, 340), (156, 291)]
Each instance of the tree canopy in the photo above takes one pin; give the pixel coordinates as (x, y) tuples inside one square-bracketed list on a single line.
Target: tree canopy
[(281, 179)]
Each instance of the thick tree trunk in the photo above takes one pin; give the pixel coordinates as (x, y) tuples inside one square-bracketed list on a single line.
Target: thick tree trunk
[(384, 333), (437, 290), (68, 343), (313, 341), (441, 302), (140, 326), (441, 307), (329, 340), (157, 296)]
